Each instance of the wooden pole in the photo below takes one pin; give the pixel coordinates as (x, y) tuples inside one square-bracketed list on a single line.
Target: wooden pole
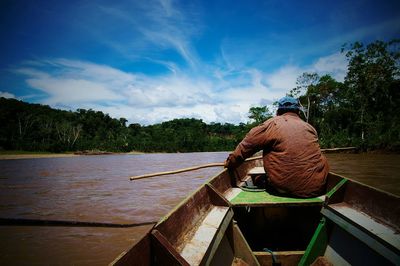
[(187, 169), (220, 164), (177, 171)]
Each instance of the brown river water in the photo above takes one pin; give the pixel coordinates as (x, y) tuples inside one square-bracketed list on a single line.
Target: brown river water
[(97, 189)]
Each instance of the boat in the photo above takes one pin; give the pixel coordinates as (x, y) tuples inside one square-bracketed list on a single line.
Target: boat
[(229, 222)]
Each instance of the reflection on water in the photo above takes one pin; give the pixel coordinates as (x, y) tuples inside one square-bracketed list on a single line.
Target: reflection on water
[(381, 171), (97, 189)]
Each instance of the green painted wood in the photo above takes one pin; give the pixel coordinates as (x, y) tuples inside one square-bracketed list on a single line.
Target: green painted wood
[(263, 197), (336, 188), (317, 245)]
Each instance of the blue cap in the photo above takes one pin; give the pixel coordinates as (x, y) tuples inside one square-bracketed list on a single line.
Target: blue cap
[(288, 102)]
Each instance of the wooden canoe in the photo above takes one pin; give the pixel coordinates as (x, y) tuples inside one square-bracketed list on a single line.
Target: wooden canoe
[(223, 224)]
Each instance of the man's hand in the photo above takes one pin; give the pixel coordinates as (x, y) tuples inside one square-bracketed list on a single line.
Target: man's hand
[(233, 162), (226, 163)]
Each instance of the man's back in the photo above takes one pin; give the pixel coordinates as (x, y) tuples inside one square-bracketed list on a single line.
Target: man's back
[(292, 156)]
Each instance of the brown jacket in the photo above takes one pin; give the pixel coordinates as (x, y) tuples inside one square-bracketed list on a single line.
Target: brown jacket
[(291, 154)]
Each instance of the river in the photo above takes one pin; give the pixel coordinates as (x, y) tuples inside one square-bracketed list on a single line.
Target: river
[(97, 189)]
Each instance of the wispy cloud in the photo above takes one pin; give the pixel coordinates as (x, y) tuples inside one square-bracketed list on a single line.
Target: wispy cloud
[(79, 84), (223, 97), (157, 24)]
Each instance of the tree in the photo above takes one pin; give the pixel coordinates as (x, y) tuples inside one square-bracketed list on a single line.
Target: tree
[(372, 86), (305, 83), (259, 114)]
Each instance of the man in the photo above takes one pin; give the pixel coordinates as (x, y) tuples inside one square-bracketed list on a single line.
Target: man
[(292, 157)]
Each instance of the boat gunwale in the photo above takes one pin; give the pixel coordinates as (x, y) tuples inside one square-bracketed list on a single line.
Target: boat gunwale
[(331, 195)]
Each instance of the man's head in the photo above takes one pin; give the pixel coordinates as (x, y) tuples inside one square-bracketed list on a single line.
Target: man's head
[(288, 104)]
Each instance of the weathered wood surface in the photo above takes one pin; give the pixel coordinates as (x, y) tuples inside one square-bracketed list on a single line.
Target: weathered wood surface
[(140, 254), (199, 229), (372, 225), (195, 247), (287, 258)]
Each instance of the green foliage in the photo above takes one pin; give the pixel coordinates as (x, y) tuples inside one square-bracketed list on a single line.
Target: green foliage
[(364, 110), (372, 84), (34, 127), (259, 114)]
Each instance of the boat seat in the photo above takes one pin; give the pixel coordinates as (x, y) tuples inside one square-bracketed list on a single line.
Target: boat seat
[(258, 170), (240, 197), (382, 238)]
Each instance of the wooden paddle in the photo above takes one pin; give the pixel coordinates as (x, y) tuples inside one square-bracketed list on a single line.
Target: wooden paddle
[(222, 164), (177, 171), (186, 169)]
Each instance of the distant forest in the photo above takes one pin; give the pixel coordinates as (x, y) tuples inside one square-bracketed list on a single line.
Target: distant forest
[(362, 111), (35, 127)]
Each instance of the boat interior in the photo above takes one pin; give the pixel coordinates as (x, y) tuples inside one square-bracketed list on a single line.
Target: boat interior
[(232, 221), (366, 220)]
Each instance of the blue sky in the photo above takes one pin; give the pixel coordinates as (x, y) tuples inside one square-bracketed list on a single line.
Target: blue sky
[(152, 61)]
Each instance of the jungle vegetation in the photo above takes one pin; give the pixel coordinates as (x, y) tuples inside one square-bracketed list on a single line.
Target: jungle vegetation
[(362, 111)]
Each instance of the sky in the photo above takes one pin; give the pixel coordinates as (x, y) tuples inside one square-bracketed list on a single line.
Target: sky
[(151, 61)]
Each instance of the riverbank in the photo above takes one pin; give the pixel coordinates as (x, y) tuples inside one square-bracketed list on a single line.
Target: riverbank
[(11, 155), (15, 155)]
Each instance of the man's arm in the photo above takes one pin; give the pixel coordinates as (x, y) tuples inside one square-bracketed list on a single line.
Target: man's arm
[(254, 141)]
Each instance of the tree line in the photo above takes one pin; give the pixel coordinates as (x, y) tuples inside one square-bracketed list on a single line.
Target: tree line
[(35, 127), (362, 111)]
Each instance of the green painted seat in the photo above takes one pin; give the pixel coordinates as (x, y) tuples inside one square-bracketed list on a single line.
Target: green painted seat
[(262, 198)]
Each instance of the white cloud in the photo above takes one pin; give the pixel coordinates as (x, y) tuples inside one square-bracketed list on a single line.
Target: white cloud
[(335, 65), (72, 91), (284, 79), (78, 84), (7, 95), (214, 95)]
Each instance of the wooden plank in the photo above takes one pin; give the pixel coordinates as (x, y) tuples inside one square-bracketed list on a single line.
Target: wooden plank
[(353, 252), (381, 206), (139, 254), (258, 170), (224, 254), (218, 238), (241, 248), (365, 221), (231, 193), (335, 190), (233, 249), (187, 215), (216, 198), (222, 181), (317, 245), (287, 258), (371, 240), (263, 198), (196, 247), (164, 253), (339, 150)]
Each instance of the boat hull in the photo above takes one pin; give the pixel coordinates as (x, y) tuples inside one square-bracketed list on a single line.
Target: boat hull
[(222, 224)]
